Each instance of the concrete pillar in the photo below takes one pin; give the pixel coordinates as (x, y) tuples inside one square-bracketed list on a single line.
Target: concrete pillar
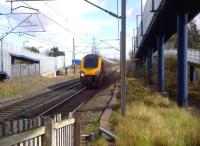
[(192, 74), (182, 21), (160, 46), (150, 66)]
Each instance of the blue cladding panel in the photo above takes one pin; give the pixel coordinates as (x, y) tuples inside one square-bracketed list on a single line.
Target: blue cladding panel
[(77, 62), (182, 21)]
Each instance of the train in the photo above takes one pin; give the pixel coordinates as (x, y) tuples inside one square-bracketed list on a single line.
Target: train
[(94, 69)]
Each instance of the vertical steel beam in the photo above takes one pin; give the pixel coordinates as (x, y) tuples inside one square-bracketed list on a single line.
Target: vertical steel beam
[(2, 55), (74, 57), (137, 44), (144, 59), (134, 45), (192, 74), (182, 21), (150, 66), (141, 18), (132, 52), (160, 46), (123, 57), (153, 5)]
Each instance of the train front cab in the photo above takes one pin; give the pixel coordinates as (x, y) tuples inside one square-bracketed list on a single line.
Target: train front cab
[(91, 74)]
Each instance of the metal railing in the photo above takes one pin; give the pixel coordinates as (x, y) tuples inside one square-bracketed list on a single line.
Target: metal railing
[(148, 17), (193, 55)]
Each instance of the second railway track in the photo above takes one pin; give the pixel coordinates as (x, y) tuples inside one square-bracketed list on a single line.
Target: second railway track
[(39, 103)]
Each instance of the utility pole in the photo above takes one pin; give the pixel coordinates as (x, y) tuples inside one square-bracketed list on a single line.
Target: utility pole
[(141, 17), (123, 57), (132, 48), (118, 19), (133, 44), (74, 57), (94, 46), (2, 54)]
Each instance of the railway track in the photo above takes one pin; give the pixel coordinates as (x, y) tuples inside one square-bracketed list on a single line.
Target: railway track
[(39, 104), (76, 102)]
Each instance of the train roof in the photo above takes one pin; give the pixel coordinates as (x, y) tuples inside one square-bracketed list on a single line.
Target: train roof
[(108, 60)]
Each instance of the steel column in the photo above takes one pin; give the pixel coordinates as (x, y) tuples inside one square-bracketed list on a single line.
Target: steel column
[(141, 18), (192, 74), (123, 57), (182, 21), (160, 46), (144, 59), (150, 66), (2, 67)]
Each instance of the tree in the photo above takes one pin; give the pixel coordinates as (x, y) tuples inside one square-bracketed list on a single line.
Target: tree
[(193, 36), (55, 52), (33, 49)]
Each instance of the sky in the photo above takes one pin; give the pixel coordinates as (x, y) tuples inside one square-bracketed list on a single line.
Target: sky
[(57, 22), (63, 20)]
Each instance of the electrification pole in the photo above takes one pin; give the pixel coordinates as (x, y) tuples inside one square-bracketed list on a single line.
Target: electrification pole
[(122, 49), (123, 57), (74, 57), (118, 19), (2, 54)]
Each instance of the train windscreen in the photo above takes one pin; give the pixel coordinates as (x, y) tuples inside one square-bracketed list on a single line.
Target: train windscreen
[(91, 61)]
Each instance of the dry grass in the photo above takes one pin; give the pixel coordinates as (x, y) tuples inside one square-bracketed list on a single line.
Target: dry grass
[(153, 120), (100, 142), (11, 89)]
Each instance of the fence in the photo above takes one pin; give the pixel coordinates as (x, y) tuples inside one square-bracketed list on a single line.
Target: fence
[(40, 132), (25, 70), (193, 55), (148, 18)]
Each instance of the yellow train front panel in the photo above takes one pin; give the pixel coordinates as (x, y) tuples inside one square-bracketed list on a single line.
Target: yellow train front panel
[(91, 71)]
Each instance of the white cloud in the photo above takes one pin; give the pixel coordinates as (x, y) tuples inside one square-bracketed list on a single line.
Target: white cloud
[(70, 14)]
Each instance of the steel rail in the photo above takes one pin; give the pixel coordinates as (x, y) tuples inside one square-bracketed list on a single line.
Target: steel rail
[(55, 106), (21, 106)]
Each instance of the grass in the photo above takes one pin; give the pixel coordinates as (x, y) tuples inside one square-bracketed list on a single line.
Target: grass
[(153, 120), (92, 127), (101, 141), (10, 89)]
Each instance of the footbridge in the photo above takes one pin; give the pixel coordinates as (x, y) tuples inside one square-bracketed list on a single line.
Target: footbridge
[(160, 19)]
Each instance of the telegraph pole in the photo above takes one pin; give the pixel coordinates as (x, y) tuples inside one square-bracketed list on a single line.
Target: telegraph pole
[(123, 57)]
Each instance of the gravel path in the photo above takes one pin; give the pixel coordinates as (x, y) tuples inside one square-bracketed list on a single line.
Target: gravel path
[(93, 109)]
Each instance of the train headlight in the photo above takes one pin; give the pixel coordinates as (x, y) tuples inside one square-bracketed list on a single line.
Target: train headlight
[(82, 74)]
